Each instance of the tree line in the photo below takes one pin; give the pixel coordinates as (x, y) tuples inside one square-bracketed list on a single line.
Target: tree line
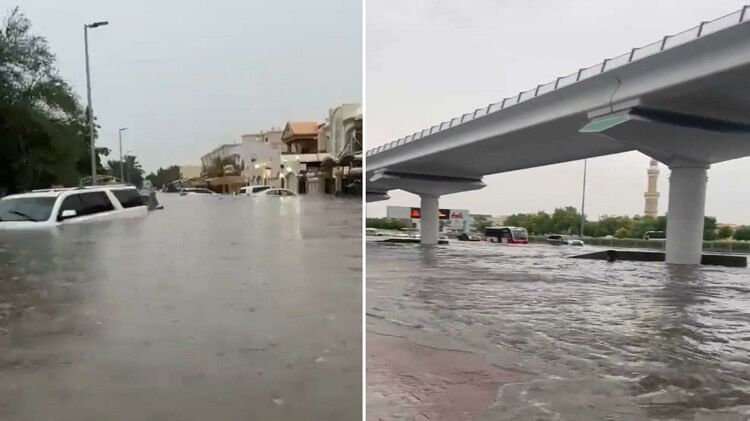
[(567, 220), (44, 128)]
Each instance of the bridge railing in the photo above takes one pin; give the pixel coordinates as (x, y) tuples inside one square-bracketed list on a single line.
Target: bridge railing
[(667, 42)]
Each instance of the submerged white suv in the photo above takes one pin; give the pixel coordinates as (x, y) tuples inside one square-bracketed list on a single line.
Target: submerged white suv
[(53, 207)]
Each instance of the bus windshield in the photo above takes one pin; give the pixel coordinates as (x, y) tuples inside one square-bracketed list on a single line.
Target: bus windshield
[(520, 234)]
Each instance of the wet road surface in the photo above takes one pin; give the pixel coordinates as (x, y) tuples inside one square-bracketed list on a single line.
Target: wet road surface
[(593, 340), (215, 308)]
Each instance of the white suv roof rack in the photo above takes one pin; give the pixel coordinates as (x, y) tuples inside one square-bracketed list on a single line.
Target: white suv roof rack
[(56, 189)]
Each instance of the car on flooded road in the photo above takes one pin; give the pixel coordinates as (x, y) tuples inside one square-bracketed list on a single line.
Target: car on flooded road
[(253, 190), (55, 207), (564, 240), (197, 192), (277, 193)]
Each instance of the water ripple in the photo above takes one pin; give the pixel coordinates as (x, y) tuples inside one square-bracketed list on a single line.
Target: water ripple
[(628, 340)]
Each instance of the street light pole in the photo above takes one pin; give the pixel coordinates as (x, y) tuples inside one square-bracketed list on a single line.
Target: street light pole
[(122, 169), (583, 198), (88, 94)]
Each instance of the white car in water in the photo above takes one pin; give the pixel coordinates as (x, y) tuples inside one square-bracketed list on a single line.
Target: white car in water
[(197, 192), (253, 190), (55, 207), (277, 193)]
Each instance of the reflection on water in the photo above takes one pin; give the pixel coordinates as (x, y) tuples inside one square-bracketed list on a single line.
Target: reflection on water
[(624, 340), (214, 308)]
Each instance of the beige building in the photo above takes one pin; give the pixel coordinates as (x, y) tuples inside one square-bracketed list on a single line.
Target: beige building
[(261, 155), (301, 137), (230, 151), (301, 170), (343, 136), (344, 130), (228, 178), (190, 171)]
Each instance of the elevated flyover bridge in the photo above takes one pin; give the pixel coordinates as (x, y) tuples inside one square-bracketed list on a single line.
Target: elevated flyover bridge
[(683, 100)]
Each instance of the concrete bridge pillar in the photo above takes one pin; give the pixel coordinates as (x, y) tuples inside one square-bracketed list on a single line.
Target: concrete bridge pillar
[(429, 224), (687, 201)]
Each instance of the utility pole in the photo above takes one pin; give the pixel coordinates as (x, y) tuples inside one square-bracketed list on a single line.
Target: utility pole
[(88, 94), (122, 169)]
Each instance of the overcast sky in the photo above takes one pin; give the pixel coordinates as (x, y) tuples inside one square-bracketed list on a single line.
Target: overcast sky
[(186, 76), (430, 60)]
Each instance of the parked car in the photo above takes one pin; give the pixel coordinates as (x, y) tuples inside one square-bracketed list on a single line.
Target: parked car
[(278, 193), (469, 237), (563, 240), (574, 242), (63, 206), (373, 232), (196, 192), (253, 190)]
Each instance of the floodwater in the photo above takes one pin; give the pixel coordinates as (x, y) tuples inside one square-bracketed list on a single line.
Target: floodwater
[(597, 340), (215, 308)]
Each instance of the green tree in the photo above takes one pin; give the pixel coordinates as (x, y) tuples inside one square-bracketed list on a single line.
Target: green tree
[(518, 220), (592, 229), (622, 232), (661, 223), (709, 229), (641, 225), (539, 223), (386, 223), (164, 176), (566, 220), (710, 235), (480, 223), (609, 225), (725, 232), (742, 233), (42, 125)]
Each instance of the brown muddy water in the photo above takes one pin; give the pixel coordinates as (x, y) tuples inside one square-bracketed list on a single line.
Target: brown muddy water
[(215, 308), (594, 340)]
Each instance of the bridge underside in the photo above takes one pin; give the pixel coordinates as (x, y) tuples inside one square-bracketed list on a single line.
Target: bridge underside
[(723, 99)]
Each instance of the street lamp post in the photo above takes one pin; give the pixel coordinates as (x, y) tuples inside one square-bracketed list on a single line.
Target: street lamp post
[(88, 94), (122, 170)]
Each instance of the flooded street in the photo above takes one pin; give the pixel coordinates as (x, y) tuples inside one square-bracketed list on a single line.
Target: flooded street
[(577, 339), (225, 308)]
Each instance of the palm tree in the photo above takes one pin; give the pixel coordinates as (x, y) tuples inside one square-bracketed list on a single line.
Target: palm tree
[(132, 169)]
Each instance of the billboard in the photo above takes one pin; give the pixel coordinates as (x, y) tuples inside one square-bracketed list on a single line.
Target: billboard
[(416, 213)]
